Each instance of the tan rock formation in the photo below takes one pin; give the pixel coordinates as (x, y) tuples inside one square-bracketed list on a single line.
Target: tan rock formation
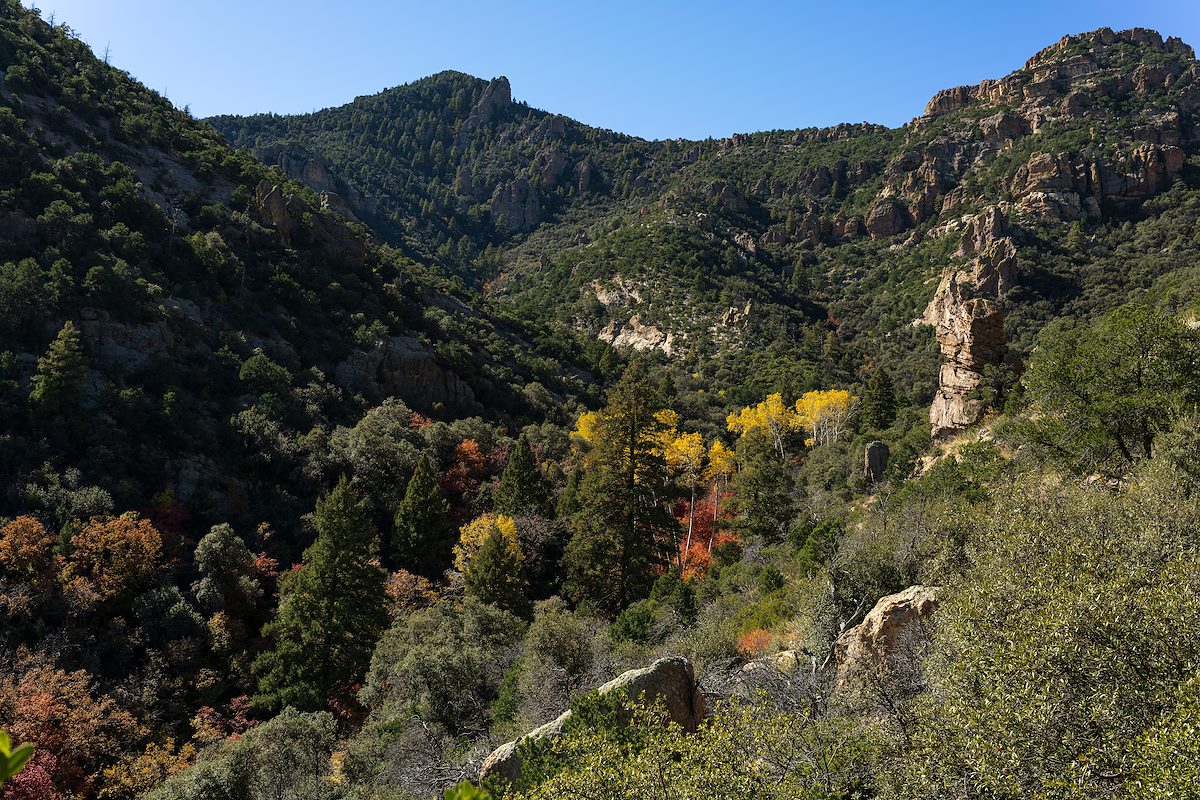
[(638, 336), (496, 98), (868, 645), (515, 206), (887, 218), (1069, 187), (968, 322), (671, 680)]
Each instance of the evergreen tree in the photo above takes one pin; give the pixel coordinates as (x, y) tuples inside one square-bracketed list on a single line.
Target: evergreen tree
[(494, 573), (227, 576), (623, 535), (879, 402), (762, 487), (523, 488), (61, 373), (568, 500), (331, 612), (421, 530)]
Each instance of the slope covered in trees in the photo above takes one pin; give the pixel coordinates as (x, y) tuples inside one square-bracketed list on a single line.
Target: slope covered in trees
[(290, 512)]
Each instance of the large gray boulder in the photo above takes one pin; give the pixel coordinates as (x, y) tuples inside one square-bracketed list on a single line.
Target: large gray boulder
[(669, 680)]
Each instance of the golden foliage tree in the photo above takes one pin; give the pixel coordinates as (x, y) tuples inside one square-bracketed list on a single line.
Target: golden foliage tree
[(112, 557), (825, 414), (475, 533), (772, 416)]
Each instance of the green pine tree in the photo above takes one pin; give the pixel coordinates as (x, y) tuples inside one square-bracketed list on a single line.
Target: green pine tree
[(61, 373), (494, 574), (879, 402), (623, 536), (523, 488), (568, 499), (421, 532), (762, 490), (331, 612)]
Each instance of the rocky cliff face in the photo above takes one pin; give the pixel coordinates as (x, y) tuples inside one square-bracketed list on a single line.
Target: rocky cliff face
[(515, 206), (289, 215), (400, 366), (299, 164)]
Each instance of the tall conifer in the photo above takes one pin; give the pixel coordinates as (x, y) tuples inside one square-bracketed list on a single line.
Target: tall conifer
[(331, 612), (421, 533), (624, 534)]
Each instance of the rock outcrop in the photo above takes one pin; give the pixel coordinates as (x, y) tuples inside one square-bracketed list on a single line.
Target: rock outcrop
[(515, 206), (870, 644), (669, 680), (400, 366), (1068, 188), (875, 461), (636, 335), (887, 218), (299, 164), (285, 213), (495, 100), (969, 322)]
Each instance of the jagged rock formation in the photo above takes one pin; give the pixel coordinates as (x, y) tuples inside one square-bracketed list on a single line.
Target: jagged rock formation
[(968, 320), (299, 164), (494, 101), (868, 645), (515, 206), (1070, 187), (286, 213), (671, 680), (635, 335)]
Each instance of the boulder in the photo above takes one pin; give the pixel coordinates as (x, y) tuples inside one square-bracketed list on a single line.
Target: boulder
[(868, 645), (875, 461), (1004, 127), (886, 218), (670, 680)]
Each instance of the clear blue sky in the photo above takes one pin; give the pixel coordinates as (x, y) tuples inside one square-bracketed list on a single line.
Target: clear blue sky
[(654, 69)]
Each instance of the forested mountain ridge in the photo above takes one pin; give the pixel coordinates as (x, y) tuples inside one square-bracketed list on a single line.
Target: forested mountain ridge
[(786, 258), (224, 315), (327, 477)]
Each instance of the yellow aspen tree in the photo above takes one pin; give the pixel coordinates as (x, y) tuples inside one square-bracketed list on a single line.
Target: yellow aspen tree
[(772, 416), (825, 414), (475, 533), (685, 459), (722, 464)]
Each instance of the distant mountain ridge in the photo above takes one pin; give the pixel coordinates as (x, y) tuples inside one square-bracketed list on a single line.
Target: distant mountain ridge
[(773, 248)]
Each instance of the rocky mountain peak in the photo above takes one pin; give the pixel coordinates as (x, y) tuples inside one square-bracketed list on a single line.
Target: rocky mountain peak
[(497, 96), (1076, 64), (1098, 44)]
